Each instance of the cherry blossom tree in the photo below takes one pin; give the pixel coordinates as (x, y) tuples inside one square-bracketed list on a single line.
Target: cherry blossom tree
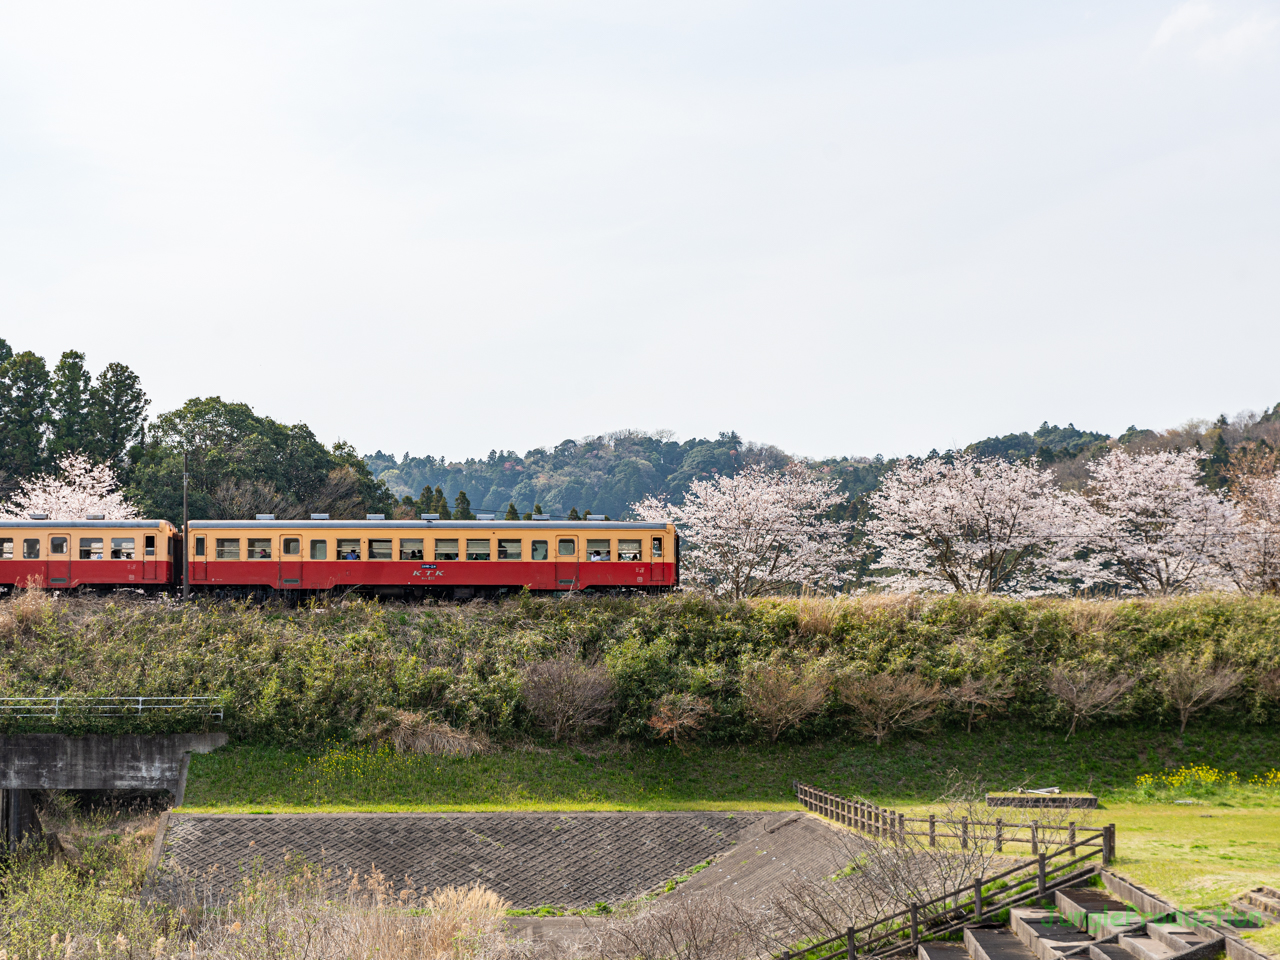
[(1157, 530), (78, 489), (757, 532), (975, 525), (1255, 552)]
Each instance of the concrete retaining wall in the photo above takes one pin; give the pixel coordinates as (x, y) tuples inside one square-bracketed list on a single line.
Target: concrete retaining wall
[(42, 761)]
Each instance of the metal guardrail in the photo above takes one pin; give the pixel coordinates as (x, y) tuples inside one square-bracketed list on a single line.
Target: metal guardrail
[(54, 707)]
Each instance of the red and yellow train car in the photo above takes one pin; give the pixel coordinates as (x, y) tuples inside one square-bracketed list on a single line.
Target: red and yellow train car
[(442, 558), (89, 554)]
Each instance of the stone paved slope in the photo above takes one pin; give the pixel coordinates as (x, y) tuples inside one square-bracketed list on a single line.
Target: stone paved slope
[(574, 859)]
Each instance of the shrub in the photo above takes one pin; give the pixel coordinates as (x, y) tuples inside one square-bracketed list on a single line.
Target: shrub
[(566, 695), (679, 715), (1191, 686), (884, 703), (778, 696), (1088, 692)]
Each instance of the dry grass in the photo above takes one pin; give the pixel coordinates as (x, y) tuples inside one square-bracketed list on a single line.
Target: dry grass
[(414, 733)]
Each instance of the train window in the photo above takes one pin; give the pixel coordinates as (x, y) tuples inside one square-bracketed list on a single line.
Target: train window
[(348, 549), (567, 548), (657, 548), (410, 549), (122, 548), (628, 549), (149, 546), (259, 548), (57, 546), (319, 549), (446, 549), (199, 546), (477, 549), (291, 547), (90, 548), (379, 549), (30, 549), (508, 549), (168, 542), (539, 551), (226, 549), (6, 548), (598, 549)]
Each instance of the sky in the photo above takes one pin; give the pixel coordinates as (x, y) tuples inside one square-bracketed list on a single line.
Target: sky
[(837, 227)]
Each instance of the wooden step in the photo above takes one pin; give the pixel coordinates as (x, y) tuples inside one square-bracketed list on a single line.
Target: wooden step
[(1147, 948), (1109, 951), (1047, 932), (994, 942), (1077, 903), (942, 950)]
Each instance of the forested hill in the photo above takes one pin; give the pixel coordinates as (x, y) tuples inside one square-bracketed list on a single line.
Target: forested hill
[(602, 474)]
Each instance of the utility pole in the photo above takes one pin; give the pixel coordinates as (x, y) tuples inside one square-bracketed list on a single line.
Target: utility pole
[(186, 530)]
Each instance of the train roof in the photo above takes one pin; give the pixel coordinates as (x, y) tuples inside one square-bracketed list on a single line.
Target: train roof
[(424, 525), (65, 524)]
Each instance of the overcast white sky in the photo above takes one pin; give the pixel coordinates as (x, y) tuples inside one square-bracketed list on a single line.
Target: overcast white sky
[(838, 227)]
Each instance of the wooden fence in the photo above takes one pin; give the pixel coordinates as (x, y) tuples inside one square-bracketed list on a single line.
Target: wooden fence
[(885, 824)]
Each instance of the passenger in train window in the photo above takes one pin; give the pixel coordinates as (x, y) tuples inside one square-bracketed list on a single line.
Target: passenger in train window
[(508, 549), (349, 549), (539, 551), (30, 549), (90, 548), (379, 549), (599, 549), (478, 549), (629, 550), (410, 549), (446, 549), (122, 548), (259, 549)]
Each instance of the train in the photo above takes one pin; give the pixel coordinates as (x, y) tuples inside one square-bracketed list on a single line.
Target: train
[(425, 558)]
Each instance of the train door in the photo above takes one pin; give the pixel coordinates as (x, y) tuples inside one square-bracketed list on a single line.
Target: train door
[(59, 560), (566, 562), (197, 566), (656, 559), (149, 557), (290, 554)]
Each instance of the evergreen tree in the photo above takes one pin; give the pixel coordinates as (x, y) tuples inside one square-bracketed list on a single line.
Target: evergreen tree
[(528, 516), (24, 413), (117, 413), (440, 505), (1219, 457), (71, 430), (537, 507), (512, 512), (573, 514), (462, 507)]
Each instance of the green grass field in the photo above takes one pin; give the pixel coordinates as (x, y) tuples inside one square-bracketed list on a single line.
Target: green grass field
[(1104, 761), (1197, 855)]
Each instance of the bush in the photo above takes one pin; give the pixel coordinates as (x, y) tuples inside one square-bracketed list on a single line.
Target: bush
[(884, 703), (316, 673), (778, 696), (566, 695)]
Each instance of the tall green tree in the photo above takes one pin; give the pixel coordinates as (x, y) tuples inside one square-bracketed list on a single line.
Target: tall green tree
[(71, 429), (512, 512), (24, 413), (117, 415), (462, 507)]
